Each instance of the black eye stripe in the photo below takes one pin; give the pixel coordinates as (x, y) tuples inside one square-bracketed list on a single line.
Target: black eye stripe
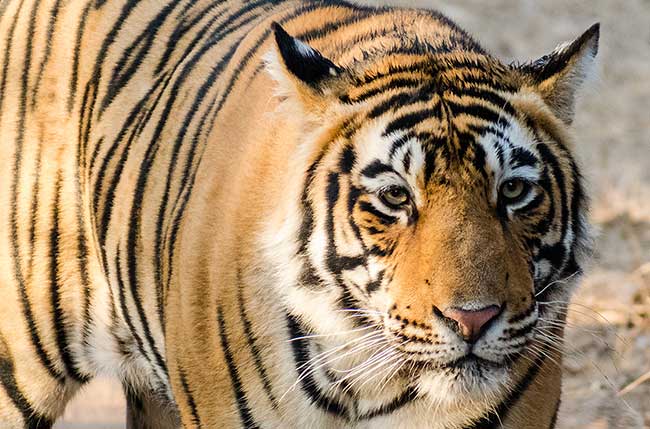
[(375, 168)]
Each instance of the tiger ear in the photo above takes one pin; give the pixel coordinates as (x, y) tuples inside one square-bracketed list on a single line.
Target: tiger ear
[(558, 76), (298, 69)]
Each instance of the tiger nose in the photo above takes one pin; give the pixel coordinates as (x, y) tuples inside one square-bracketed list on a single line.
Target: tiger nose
[(472, 322)]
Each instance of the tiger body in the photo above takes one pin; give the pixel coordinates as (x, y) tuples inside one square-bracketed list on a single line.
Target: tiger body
[(185, 209)]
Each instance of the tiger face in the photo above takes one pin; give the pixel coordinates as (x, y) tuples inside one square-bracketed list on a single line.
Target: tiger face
[(438, 221)]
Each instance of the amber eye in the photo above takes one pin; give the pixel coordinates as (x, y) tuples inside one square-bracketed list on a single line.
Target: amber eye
[(395, 196), (515, 189)]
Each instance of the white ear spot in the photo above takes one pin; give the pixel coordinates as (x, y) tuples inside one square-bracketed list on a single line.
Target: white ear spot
[(274, 67), (304, 49)]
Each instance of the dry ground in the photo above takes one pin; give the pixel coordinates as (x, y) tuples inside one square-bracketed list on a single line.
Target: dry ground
[(609, 337)]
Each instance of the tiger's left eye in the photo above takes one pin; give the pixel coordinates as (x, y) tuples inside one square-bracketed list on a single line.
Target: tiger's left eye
[(395, 196), (514, 189)]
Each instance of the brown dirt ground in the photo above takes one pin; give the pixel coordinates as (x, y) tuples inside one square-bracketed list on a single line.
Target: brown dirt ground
[(608, 340)]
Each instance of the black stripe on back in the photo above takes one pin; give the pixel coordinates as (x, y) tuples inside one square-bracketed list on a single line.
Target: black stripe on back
[(54, 14), (133, 56)]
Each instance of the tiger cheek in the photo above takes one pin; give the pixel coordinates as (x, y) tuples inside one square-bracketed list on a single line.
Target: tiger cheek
[(518, 279)]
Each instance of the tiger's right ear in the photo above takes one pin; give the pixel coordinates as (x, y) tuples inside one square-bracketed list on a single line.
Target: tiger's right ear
[(558, 76), (299, 69)]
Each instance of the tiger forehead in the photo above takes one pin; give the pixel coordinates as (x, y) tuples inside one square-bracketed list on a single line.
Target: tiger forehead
[(433, 157), (452, 129), (437, 71)]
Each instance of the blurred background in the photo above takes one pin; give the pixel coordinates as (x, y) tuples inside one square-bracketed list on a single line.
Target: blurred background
[(607, 367)]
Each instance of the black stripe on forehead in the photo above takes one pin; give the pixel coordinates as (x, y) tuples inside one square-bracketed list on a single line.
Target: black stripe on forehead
[(520, 157)]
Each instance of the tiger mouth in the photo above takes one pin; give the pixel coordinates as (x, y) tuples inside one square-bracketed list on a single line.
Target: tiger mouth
[(469, 364), (472, 361)]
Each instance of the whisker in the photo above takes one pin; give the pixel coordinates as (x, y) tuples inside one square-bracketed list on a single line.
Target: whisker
[(560, 281)]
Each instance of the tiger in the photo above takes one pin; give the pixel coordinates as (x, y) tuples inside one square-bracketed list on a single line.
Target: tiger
[(284, 214)]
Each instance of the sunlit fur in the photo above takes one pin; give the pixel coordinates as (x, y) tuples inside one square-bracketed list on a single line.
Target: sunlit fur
[(193, 204)]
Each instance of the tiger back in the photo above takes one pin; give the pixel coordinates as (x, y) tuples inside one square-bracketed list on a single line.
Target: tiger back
[(283, 214)]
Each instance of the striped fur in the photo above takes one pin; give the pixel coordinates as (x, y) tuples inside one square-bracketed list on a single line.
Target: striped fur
[(195, 202)]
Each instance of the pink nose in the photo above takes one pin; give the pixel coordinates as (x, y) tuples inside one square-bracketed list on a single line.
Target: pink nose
[(472, 322)]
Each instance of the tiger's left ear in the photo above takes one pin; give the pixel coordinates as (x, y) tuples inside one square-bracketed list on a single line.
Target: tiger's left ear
[(299, 70), (558, 76)]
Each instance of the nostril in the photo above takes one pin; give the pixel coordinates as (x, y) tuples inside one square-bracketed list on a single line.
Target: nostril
[(472, 323)]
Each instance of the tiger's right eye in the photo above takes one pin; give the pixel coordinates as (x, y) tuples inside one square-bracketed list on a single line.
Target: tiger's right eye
[(514, 190), (395, 197)]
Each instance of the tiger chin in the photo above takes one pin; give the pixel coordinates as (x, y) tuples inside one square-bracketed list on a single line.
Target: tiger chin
[(285, 215)]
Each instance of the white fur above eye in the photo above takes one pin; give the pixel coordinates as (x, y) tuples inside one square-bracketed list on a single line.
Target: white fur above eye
[(499, 158)]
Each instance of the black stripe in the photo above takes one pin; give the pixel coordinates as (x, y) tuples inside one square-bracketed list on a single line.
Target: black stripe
[(520, 156), (399, 143), (133, 55), (185, 190), (411, 119), (81, 172), (7, 54), (252, 343), (408, 396), (13, 216), (410, 82), (132, 246), (384, 218), (376, 168), (74, 75), (353, 197), (579, 228), (484, 94), (307, 382), (126, 314), (184, 28), (196, 420), (375, 284), (54, 14), (134, 123), (336, 263), (393, 102), (476, 110), (187, 181), (110, 38), (532, 204), (55, 300), (34, 207), (240, 396), (348, 158), (307, 225), (556, 253), (31, 418), (493, 419)]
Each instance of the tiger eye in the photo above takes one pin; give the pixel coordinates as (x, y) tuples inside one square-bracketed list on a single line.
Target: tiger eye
[(395, 196), (513, 189)]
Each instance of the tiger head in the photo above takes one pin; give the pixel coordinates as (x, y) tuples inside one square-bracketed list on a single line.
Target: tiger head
[(441, 214)]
